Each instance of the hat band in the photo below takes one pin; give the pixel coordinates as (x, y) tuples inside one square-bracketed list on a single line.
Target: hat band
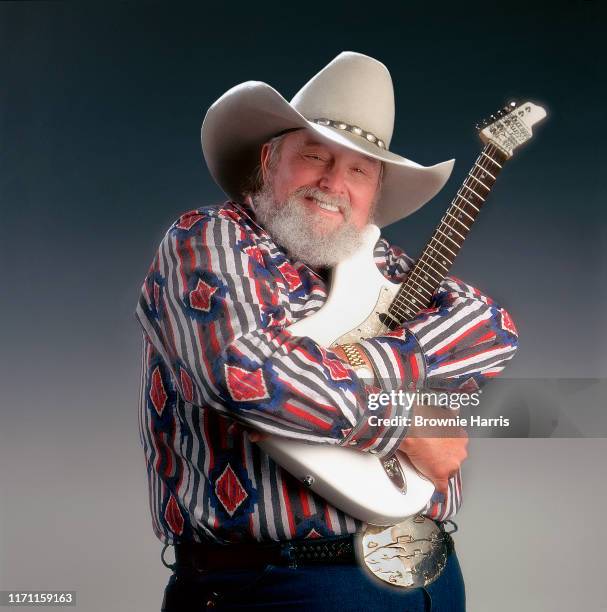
[(354, 129)]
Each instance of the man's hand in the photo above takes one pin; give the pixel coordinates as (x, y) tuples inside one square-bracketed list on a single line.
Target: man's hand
[(437, 452)]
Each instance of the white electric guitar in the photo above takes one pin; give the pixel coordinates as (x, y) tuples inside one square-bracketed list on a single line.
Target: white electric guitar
[(386, 491)]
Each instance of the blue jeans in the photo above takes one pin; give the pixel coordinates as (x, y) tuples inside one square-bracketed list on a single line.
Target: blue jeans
[(311, 589)]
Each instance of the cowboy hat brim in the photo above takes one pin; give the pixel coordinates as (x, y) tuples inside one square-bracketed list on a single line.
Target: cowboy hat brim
[(251, 113)]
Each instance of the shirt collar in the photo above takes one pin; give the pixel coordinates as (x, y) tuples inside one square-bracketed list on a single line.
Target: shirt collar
[(247, 210)]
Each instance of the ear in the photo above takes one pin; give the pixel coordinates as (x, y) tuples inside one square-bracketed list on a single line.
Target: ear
[(265, 157)]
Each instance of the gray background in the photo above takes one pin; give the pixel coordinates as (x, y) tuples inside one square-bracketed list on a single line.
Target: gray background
[(100, 109)]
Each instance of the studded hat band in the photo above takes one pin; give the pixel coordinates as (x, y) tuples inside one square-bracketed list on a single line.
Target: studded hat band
[(354, 129), (349, 102)]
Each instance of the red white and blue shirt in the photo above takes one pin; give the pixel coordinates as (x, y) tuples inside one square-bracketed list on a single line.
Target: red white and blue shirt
[(219, 360)]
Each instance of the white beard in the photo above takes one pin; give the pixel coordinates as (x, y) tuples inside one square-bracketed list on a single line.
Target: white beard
[(301, 232)]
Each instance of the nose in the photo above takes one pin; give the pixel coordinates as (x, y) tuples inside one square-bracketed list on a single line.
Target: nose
[(333, 180)]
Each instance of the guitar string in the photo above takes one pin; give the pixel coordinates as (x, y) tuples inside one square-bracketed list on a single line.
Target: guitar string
[(445, 224), (415, 274), (480, 165)]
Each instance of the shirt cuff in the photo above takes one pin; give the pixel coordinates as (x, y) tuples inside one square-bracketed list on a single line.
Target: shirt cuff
[(397, 359), (382, 427)]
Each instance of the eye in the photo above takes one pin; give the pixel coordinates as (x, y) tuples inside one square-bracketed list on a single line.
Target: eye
[(313, 156), (359, 170)]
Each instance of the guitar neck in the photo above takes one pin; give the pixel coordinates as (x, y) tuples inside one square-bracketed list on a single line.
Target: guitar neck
[(439, 254)]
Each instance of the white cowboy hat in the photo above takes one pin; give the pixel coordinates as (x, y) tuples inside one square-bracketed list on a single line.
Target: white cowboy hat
[(349, 102)]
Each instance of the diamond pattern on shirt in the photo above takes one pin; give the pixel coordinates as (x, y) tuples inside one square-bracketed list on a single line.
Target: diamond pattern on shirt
[(157, 393), (229, 490), (200, 297), (289, 273), (245, 385), (173, 516)]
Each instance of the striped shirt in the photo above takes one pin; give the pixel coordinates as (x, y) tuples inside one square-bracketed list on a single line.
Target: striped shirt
[(218, 360)]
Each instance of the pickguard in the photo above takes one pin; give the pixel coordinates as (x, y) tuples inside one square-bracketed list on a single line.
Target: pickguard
[(371, 326), (359, 294)]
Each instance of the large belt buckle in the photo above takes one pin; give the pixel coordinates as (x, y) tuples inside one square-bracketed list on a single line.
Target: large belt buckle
[(409, 555)]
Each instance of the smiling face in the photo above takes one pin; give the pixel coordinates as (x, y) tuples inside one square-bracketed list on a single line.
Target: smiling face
[(315, 197), (346, 181)]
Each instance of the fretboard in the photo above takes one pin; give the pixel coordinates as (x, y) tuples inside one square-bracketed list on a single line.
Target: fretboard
[(439, 254)]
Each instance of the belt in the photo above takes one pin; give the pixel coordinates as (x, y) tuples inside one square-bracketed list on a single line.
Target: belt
[(208, 556), (202, 557)]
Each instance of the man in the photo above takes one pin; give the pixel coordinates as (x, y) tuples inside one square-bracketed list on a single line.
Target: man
[(221, 369)]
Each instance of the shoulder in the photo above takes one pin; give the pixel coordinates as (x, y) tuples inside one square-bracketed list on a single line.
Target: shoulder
[(227, 221), (219, 232), (391, 259), (228, 212)]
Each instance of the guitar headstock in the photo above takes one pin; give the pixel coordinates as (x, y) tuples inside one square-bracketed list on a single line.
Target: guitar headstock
[(511, 126)]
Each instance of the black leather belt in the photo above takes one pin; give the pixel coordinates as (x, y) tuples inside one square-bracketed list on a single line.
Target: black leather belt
[(209, 556)]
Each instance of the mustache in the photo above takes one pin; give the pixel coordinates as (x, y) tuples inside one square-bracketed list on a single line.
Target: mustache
[(321, 196)]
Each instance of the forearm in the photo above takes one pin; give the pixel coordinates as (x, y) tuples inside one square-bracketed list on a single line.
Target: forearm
[(464, 337)]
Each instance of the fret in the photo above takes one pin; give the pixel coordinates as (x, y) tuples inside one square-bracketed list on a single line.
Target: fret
[(491, 159), (446, 260), (469, 202), (397, 315), (438, 262), (476, 194), (415, 276), (414, 305), (416, 273), (404, 309), (397, 309), (421, 263), (430, 292), (411, 298), (412, 286), (390, 321), (460, 222), (462, 210), (435, 244), (403, 305), (429, 271), (417, 303), (485, 170), (448, 238), (479, 181)]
